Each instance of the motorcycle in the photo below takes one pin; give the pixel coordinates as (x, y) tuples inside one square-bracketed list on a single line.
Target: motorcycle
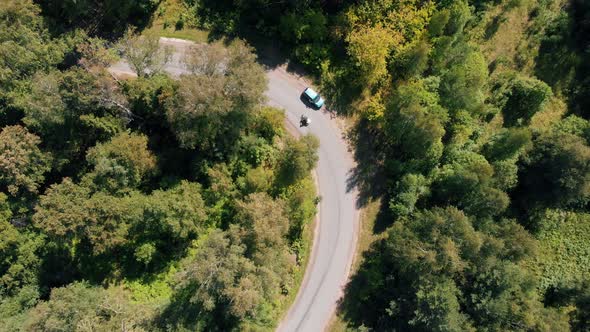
[(304, 121)]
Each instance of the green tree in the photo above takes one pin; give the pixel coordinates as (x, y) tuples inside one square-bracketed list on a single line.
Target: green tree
[(210, 111), (19, 259), (256, 151), (438, 22), (26, 44), (247, 80), (122, 163), (43, 105), (558, 170), (166, 224), (297, 159), (269, 123), (22, 163), (408, 191), (414, 125), (505, 174), (80, 307), (201, 114), (301, 203), (69, 212), (61, 210), (467, 183), (14, 310), (19, 255), (412, 60), (59, 99), (222, 277), (148, 96), (503, 297), (460, 14), (264, 221), (71, 110), (307, 33), (577, 295), (462, 85), (580, 320), (229, 289), (179, 211), (264, 225), (438, 308), (468, 279), (369, 47), (257, 179), (508, 144), (144, 53), (525, 97)]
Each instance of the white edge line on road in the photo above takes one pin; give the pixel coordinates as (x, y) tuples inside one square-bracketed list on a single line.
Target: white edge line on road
[(292, 129)]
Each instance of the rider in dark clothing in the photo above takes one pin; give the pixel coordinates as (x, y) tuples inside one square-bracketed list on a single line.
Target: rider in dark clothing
[(304, 122)]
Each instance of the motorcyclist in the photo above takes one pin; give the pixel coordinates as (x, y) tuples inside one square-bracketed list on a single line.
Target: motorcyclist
[(305, 121)]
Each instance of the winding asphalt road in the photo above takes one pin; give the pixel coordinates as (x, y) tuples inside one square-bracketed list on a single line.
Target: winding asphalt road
[(336, 228)]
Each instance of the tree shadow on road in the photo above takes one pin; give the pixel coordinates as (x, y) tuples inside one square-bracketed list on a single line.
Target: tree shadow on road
[(271, 53), (368, 175)]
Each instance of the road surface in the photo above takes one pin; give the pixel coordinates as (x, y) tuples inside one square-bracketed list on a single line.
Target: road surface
[(336, 230)]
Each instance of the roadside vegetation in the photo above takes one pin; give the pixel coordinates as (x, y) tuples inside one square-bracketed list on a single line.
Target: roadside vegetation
[(148, 203)]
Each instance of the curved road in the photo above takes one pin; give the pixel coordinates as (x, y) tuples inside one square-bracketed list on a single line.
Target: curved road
[(335, 233)]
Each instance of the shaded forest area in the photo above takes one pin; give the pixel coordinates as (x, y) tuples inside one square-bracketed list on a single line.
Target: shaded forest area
[(146, 203)]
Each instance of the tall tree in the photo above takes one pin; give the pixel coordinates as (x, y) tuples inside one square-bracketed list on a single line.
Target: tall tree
[(22, 163), (414, 125), (72, 109), (525, 97), (298, 159), (144, 53), (436, 272), (221, 276), (264, 220), (215, 103), (462, 85), (69, 215), (123, 162), (26, 44), (19, 254), (370, 48), (81, 307), (558, 170)]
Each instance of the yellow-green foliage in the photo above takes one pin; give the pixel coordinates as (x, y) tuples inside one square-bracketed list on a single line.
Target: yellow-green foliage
[(369, 47), (157, 290), (377, 28), (564, 243)]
